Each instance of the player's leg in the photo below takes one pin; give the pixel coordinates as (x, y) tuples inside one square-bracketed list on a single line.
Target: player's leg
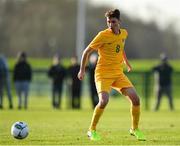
[(98, 111), (103, 88), (135, 111), (103, 101), (124, 86), (135, 105)]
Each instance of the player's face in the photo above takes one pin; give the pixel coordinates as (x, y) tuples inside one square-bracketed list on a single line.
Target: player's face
[(113, 23)]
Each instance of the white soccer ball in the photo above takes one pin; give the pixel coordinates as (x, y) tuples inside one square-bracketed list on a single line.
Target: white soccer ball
[(19, 130)]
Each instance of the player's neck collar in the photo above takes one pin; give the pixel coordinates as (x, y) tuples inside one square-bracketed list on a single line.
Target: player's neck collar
[(119, 32)]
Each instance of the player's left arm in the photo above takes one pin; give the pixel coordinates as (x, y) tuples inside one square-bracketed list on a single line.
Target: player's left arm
[(129, 68)]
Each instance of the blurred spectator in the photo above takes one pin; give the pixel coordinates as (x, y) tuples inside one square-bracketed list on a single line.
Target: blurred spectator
[(4, 82), (91, 68), (57, 73), (163, 73), (22, 78), (75, 83)]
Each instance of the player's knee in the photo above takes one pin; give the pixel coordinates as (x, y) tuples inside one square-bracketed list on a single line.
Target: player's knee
[(135, 100), (103, 101)]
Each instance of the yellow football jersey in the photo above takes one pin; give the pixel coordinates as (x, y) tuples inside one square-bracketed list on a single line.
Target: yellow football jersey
[(110, 50)]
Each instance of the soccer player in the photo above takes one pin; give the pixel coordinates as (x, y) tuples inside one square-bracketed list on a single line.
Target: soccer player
[(109, 72)]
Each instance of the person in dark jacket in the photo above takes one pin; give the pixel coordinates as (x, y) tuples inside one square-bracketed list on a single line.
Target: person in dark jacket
[(91, 68), (5, 82), (75, 83), (163, 73), (57, 73), (22, 78)]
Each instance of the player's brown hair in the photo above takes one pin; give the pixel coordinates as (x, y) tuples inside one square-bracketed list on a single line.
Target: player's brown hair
[(113, 14)]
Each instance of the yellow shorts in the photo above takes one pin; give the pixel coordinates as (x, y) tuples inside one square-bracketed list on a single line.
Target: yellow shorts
[(105, 84)]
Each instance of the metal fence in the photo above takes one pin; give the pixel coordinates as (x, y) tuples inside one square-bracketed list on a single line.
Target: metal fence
[(143, 82)]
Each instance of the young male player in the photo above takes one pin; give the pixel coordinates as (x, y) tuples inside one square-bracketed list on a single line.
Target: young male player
[(109, 72)]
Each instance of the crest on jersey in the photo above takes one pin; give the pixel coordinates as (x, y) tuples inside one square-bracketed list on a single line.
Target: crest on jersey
[(118, 48)]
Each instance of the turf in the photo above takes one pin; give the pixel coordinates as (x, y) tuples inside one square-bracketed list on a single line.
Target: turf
[(68, 127)]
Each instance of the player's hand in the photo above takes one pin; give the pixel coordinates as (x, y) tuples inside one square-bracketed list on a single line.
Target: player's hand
[(81, 75), (129, 68)]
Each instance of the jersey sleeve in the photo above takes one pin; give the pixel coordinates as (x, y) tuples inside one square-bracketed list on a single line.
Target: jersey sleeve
[(97, 42)]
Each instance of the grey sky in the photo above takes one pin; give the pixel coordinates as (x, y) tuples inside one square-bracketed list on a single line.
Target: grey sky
[(164, 12)]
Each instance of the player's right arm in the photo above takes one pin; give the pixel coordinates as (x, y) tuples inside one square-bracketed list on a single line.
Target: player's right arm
[(84, 58), (94, 45)]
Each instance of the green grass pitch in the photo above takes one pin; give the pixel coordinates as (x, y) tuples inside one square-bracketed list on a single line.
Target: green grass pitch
[(68, 127)]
